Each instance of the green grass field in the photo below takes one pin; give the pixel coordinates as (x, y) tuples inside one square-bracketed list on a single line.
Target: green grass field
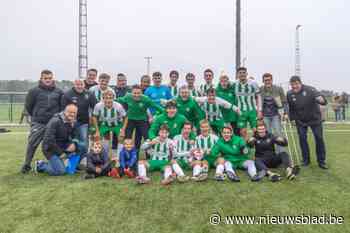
[(39, 203)]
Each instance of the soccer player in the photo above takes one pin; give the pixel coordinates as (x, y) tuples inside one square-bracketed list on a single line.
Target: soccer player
[(174, 77), (137, 117), (122, 88), (98, 90), (171, 118), (188, 107), (145, 82), (208, 77), (184, 145), (190, 80), (224, 91), (107, 118), (158, 92), (248, 100), (204, 142), (90, 80), (234, 154), (266, 156), (212, 106), (161, 150)]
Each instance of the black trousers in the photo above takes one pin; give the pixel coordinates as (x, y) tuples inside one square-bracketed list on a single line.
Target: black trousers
[(317, 131), (35, 136), (141, 127), (273, 161)]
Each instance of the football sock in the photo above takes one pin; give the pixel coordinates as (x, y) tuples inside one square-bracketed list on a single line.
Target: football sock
[(220, 169), (142, 170), (178, 170)]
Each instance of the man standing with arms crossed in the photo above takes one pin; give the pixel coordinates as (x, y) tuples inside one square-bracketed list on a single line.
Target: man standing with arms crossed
[(42, 102)]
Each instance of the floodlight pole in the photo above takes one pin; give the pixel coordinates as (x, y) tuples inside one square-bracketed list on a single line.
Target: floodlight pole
[(238, 34)]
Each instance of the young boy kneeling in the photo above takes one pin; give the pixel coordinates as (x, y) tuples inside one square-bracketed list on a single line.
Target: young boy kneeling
[(98, 163)]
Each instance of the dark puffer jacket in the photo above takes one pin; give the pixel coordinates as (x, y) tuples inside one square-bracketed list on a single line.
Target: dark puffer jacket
[(42, 102), (58, 135)]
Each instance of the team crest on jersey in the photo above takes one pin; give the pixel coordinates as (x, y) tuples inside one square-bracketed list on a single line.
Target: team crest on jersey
[(175, 125), (163, 93), (141, 105), (187, 109), (86, 96), (304, 93), (268, 140)]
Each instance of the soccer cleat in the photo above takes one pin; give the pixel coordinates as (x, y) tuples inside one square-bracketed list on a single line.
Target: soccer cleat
[(25, 169), (219, 177), (232, 176), (183, 179), (274, 177), (292, 172), (142, 179), (89, 176), (323, 166), (255, 178), (129, 173), (114, 173), (167, 181)]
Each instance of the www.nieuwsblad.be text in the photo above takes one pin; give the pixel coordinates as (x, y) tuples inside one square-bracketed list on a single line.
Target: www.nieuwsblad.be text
[(326, 219)]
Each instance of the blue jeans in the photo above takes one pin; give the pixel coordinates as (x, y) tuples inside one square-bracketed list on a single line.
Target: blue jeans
[(83, 138), (317, 131), (54, 167), (273, 126), (338, 115)]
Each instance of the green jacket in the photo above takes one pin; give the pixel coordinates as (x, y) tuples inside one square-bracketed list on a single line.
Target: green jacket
[(175, 125), (137, 110), (227, 94), (235, 150), (190, 109)]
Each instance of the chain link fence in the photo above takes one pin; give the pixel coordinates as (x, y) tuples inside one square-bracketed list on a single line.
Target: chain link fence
[(12, 109)]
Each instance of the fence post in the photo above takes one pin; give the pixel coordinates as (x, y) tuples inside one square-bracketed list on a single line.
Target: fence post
[(11, 108)]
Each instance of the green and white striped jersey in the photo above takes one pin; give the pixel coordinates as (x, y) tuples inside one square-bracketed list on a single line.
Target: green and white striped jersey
[(174, 91), (160, 151), (206, 143), (203, 88), (213, 110), (109, 116), (97, 92), (245, 95), (194, 92), (182, 147)]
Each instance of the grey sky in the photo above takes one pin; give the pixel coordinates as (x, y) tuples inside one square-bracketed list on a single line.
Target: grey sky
[(188, 35)]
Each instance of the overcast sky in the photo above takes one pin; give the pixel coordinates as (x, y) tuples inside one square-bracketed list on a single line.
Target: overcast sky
[(187, 35)]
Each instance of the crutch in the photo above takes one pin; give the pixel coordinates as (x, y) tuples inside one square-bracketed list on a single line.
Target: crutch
[(292, 145)]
